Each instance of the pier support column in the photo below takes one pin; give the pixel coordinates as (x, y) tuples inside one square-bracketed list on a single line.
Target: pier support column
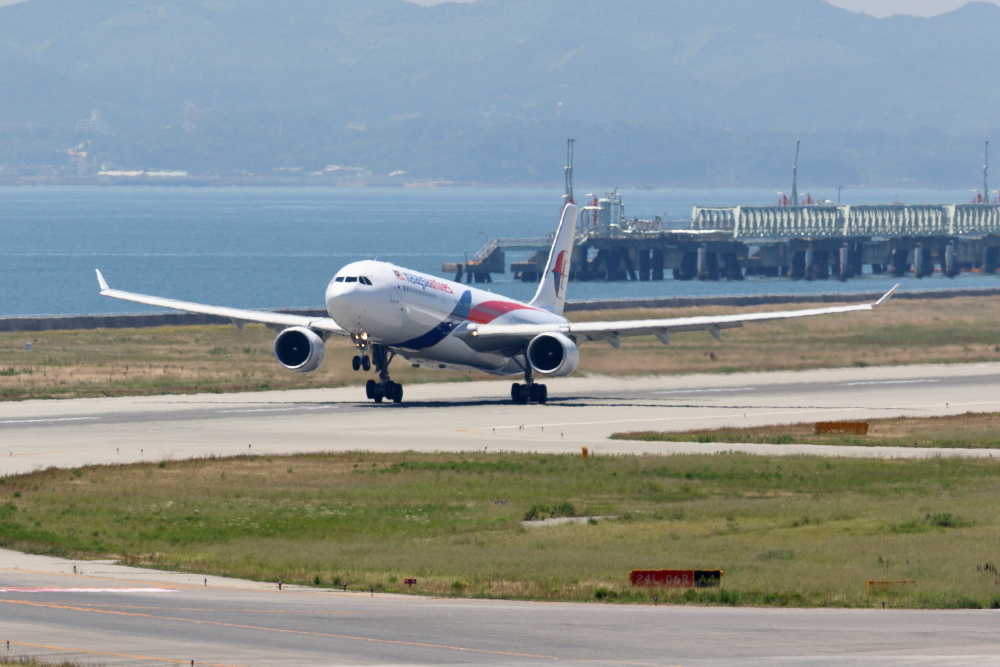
[(900, 262), (992, 259), (644, 263), (657, 263), (797, 270), (689, 266), (922, 263), (732, 266), (708, 264), (809, 267), (845, 263), (950, 265), (629, 267)]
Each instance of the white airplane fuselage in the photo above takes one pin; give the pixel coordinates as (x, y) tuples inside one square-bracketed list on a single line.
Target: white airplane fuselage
[(422, 317)]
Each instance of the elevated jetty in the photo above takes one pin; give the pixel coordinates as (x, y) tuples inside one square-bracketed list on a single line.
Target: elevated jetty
[(811, 242)]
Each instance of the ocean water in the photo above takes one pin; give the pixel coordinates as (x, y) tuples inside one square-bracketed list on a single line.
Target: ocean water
[(279, 247)]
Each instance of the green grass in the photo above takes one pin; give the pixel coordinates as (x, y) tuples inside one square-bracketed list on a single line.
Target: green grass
[(802, 531), (971, 430)]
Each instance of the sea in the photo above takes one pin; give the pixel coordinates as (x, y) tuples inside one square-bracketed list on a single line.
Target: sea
[(278, 247)]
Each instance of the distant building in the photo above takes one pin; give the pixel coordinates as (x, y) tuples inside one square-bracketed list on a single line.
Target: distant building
[(93, 124)]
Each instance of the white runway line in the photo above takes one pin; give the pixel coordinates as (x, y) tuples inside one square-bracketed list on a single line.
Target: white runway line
[(855, 384), (54, 419), (318, 407), (703, 391), (89, 590)]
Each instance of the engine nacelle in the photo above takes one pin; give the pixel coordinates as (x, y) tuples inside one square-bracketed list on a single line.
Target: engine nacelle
[(299, 349), (553, 354)]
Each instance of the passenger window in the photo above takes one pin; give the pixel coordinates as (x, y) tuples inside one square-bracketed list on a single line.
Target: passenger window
[(351, 279), (340, 279)]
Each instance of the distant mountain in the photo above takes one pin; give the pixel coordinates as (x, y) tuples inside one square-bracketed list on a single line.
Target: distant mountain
[(662, 91)]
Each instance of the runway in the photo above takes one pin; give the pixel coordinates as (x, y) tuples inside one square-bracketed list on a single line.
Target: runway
[(479, 416), (114, 615)]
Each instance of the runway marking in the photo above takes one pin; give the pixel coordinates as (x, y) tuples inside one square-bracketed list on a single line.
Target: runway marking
[(739, 415), (242, 611), (318, 407), (51, 419), (89, 590), (117, 655), (703, 391), (325, 634), (855, 384)]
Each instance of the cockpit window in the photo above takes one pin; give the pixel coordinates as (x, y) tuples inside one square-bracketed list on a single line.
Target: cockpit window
[(339, 279), (363, 280), (351, 279)]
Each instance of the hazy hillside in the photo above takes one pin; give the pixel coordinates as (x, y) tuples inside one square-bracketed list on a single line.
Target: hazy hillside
[(657, 91)]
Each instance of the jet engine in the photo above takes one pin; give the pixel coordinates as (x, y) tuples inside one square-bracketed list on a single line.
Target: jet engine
[(299, 349), (553, 354)]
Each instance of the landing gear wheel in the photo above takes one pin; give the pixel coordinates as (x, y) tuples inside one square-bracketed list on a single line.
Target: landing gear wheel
[(519, 393), (356, 363), (538, 393), (395, 392), (379, 393), (371, 389), (366, 364)]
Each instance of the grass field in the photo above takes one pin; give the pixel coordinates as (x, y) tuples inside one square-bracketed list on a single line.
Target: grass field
[(975, 430), (116, 362), (798, 530)]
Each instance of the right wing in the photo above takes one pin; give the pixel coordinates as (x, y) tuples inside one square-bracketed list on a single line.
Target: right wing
[(612, 332), (238, 316)]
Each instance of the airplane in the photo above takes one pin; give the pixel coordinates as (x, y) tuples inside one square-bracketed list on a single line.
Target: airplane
[(391, 311)]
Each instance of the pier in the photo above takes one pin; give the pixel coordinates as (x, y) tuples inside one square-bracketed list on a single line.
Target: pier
[(813, 242)]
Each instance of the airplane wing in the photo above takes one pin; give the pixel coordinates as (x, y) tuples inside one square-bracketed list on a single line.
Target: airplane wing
[(238, 316), (613, 332)]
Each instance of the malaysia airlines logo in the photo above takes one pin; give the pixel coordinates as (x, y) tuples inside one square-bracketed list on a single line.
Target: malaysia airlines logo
[(559, 272)]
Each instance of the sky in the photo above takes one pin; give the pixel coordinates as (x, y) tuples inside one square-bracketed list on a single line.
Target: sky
[(874, 7)]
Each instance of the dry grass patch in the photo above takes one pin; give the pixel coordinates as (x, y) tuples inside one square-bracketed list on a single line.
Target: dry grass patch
[(972, 430), (168, 360)]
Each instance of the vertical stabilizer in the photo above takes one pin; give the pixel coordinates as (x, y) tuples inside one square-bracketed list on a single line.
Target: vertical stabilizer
[(551, 294)]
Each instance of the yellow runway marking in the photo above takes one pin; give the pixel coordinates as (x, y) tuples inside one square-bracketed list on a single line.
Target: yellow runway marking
[(325, 634), (116, 655)]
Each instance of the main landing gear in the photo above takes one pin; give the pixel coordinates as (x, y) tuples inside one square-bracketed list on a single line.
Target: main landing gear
[(384, 388), (529, 392)]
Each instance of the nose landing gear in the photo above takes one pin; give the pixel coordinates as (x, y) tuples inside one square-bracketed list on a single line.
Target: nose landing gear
[(385, 388), (361, 360)]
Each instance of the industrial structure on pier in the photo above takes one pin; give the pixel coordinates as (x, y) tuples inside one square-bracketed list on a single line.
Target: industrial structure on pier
[(811, 241)]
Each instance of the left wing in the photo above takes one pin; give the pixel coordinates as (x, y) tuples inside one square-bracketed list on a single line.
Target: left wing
[(238, 316), (612, 332)]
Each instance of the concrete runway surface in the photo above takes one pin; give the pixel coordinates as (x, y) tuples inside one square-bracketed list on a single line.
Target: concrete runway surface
[(479, 415), (114, 615)]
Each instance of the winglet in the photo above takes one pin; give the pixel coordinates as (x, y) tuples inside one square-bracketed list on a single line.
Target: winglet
[(101, 281), (886, 296)]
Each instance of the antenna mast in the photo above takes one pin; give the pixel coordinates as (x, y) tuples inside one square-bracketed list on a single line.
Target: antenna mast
[(569, 171), (795, 175), (986, 166)]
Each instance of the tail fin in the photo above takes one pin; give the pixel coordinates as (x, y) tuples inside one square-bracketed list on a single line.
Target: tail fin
[(551, 294)]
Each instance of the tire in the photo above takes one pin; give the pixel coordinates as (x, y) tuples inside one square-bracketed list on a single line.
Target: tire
[(356, 363), (371, 389), (366, 364), (397, 394), (534, 393), (515, 392), (543, 394)]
